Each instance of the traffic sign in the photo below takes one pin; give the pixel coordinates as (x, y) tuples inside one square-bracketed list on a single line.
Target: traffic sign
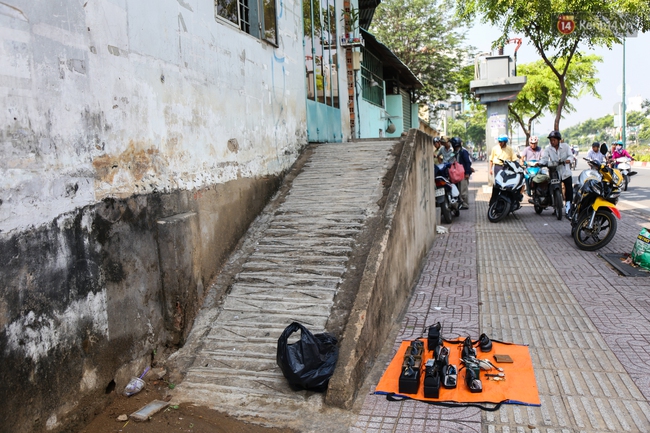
[(566, 24)]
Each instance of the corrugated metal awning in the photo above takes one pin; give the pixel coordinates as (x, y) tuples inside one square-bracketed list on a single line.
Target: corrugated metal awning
[(390, 61), (367, 11)]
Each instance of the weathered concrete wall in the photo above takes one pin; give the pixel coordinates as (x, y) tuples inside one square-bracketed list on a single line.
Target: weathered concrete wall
[(139, 139), (119, 97), (393, 264)]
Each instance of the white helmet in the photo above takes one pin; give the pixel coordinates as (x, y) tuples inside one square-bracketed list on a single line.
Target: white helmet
[(533, 139)]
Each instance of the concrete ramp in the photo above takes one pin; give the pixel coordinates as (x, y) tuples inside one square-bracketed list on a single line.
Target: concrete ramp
[(289, 269)]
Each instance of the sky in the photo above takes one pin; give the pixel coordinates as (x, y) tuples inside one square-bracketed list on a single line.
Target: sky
[(637, 69)]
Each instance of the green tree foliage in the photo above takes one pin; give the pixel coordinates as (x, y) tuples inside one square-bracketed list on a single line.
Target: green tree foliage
[(598, 23), (470, 126), (542, 93), (426, 36), (584, 133)]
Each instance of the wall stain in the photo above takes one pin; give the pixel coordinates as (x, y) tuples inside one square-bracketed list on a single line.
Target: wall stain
[(135, 160)]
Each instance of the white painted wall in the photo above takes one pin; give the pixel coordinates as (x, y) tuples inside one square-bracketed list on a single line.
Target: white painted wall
[(85, 114)]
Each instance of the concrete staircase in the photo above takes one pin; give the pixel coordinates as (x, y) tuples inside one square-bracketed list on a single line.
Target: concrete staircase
[(292, 272)]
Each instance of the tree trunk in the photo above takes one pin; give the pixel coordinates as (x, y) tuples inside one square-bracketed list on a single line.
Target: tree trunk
[(560, 105)]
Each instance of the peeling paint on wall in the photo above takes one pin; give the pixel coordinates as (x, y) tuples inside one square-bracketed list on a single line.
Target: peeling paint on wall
[(34, 336), (64, 120)]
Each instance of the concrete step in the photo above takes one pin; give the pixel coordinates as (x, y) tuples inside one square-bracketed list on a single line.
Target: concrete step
[(292, 272), (279, 306), (239, 318)]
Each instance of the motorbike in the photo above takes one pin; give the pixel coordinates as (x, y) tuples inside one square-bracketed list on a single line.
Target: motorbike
[(447, 194), (508, 183), (624, 166), (531, 170), (593, 211), (546, 188)]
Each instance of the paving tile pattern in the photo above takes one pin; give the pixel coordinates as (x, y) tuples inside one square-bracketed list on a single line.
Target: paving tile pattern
[(447, 291), (582, 385), (292, 275), (523, 280)]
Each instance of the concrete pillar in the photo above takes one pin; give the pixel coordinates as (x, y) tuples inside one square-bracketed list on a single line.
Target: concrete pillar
[(497, 123), (182, 286)]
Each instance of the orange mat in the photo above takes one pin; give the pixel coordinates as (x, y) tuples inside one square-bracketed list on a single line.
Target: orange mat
[(519, 386)]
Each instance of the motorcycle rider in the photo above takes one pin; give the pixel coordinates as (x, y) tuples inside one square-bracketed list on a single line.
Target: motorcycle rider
[(619, 152), (594, 152), (560, 154), (499, 153), (462, 156), (531, 153)]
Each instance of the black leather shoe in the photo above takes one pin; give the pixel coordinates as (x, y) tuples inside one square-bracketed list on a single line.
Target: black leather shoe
[(468, 349), (484, 343), (434, 337)]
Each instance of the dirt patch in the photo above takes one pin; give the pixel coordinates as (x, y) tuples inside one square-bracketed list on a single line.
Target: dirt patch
[(177, 418)]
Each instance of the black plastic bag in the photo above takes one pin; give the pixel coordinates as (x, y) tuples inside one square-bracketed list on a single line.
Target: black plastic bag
[(309, 362)]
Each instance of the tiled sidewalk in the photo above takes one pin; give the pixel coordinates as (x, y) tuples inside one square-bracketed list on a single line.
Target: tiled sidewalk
[(447, 291), (523, 280)]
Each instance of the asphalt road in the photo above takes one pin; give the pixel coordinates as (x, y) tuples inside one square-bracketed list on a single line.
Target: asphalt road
[(637, 195)]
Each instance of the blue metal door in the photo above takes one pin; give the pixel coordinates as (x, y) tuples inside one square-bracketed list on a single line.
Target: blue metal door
[(323, 123), (321, 68)]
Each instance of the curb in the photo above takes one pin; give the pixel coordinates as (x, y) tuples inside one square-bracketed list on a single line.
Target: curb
[(639, 164), (404, 236)]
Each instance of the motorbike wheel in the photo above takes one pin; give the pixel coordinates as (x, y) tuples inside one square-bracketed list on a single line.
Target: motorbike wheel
[(499, 209), (626, 180), (538, 209), (445, 212), (557, 199), (456, 212), (591, 240)]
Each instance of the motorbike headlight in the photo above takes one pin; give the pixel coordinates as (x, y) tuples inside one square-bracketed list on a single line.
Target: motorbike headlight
[(616, 178)]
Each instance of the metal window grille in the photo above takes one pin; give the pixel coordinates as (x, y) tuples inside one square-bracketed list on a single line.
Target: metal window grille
[(255, 17), (406, 109), (244, 16), (372, 79)]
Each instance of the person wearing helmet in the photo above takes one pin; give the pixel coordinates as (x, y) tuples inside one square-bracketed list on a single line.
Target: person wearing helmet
[(436, 144), (531, 153), (594, 152), (500, 153), (619, 152), (560, 154), (462, 156)]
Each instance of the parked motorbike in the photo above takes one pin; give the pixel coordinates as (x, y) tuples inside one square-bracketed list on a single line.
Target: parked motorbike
[(593, 208), (531, 170), (624, 166), (447, 194), (508, 183), (546, 188)]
